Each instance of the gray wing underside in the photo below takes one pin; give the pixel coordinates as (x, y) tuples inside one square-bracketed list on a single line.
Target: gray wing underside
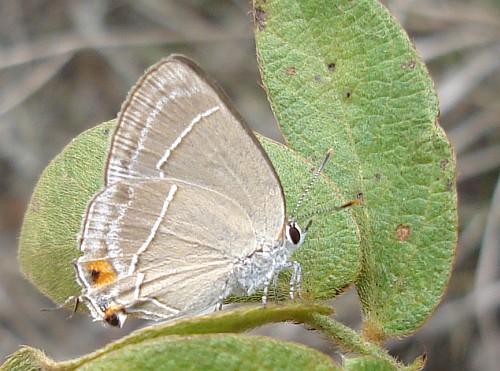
[(177, 123), (184, 239), (178, 130)]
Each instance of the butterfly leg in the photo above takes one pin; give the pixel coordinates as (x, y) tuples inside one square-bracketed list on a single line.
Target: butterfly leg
[(77, 301), (264, 294), (275, 285), (295, 281), (223, 294), (272, 275)]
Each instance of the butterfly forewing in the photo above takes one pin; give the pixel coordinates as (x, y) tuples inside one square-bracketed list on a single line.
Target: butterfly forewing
[(177, 123)]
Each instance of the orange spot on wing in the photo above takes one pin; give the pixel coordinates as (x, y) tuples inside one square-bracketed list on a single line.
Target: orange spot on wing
[(101, 271)]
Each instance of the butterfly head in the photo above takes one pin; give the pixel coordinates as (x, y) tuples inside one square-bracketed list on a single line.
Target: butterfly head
[(295, 236)]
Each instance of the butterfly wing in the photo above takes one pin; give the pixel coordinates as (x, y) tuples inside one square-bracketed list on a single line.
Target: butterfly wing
[(160, 247), (177, 123), (188, 191)]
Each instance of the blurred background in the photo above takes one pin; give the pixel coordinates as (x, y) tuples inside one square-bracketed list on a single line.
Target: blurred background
[(67, 66)]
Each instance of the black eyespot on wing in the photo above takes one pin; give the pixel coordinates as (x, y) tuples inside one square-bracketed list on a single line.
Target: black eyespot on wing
[(94, 273), (113, 320)]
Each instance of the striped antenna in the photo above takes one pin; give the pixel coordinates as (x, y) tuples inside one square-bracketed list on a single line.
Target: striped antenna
[(311, 183), (356, 201)]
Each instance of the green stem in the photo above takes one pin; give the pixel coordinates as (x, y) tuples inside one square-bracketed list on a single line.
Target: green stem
[(349, 340)]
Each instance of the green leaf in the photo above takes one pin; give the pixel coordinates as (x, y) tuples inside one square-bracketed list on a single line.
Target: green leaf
[(212, 352), (196, 352), (52, 222), (343, 74), (28, 359), (376, 364), (184, 344), (367, 364)]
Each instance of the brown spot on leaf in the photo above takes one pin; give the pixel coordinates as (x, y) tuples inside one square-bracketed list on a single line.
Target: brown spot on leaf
[(290, 71), (403, 232), (410, 64), (331, 67), (443, 164), (260, 18), (449, 186), (35, 206)]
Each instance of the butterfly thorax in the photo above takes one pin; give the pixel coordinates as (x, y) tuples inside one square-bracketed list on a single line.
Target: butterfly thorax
[(258, 269)]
